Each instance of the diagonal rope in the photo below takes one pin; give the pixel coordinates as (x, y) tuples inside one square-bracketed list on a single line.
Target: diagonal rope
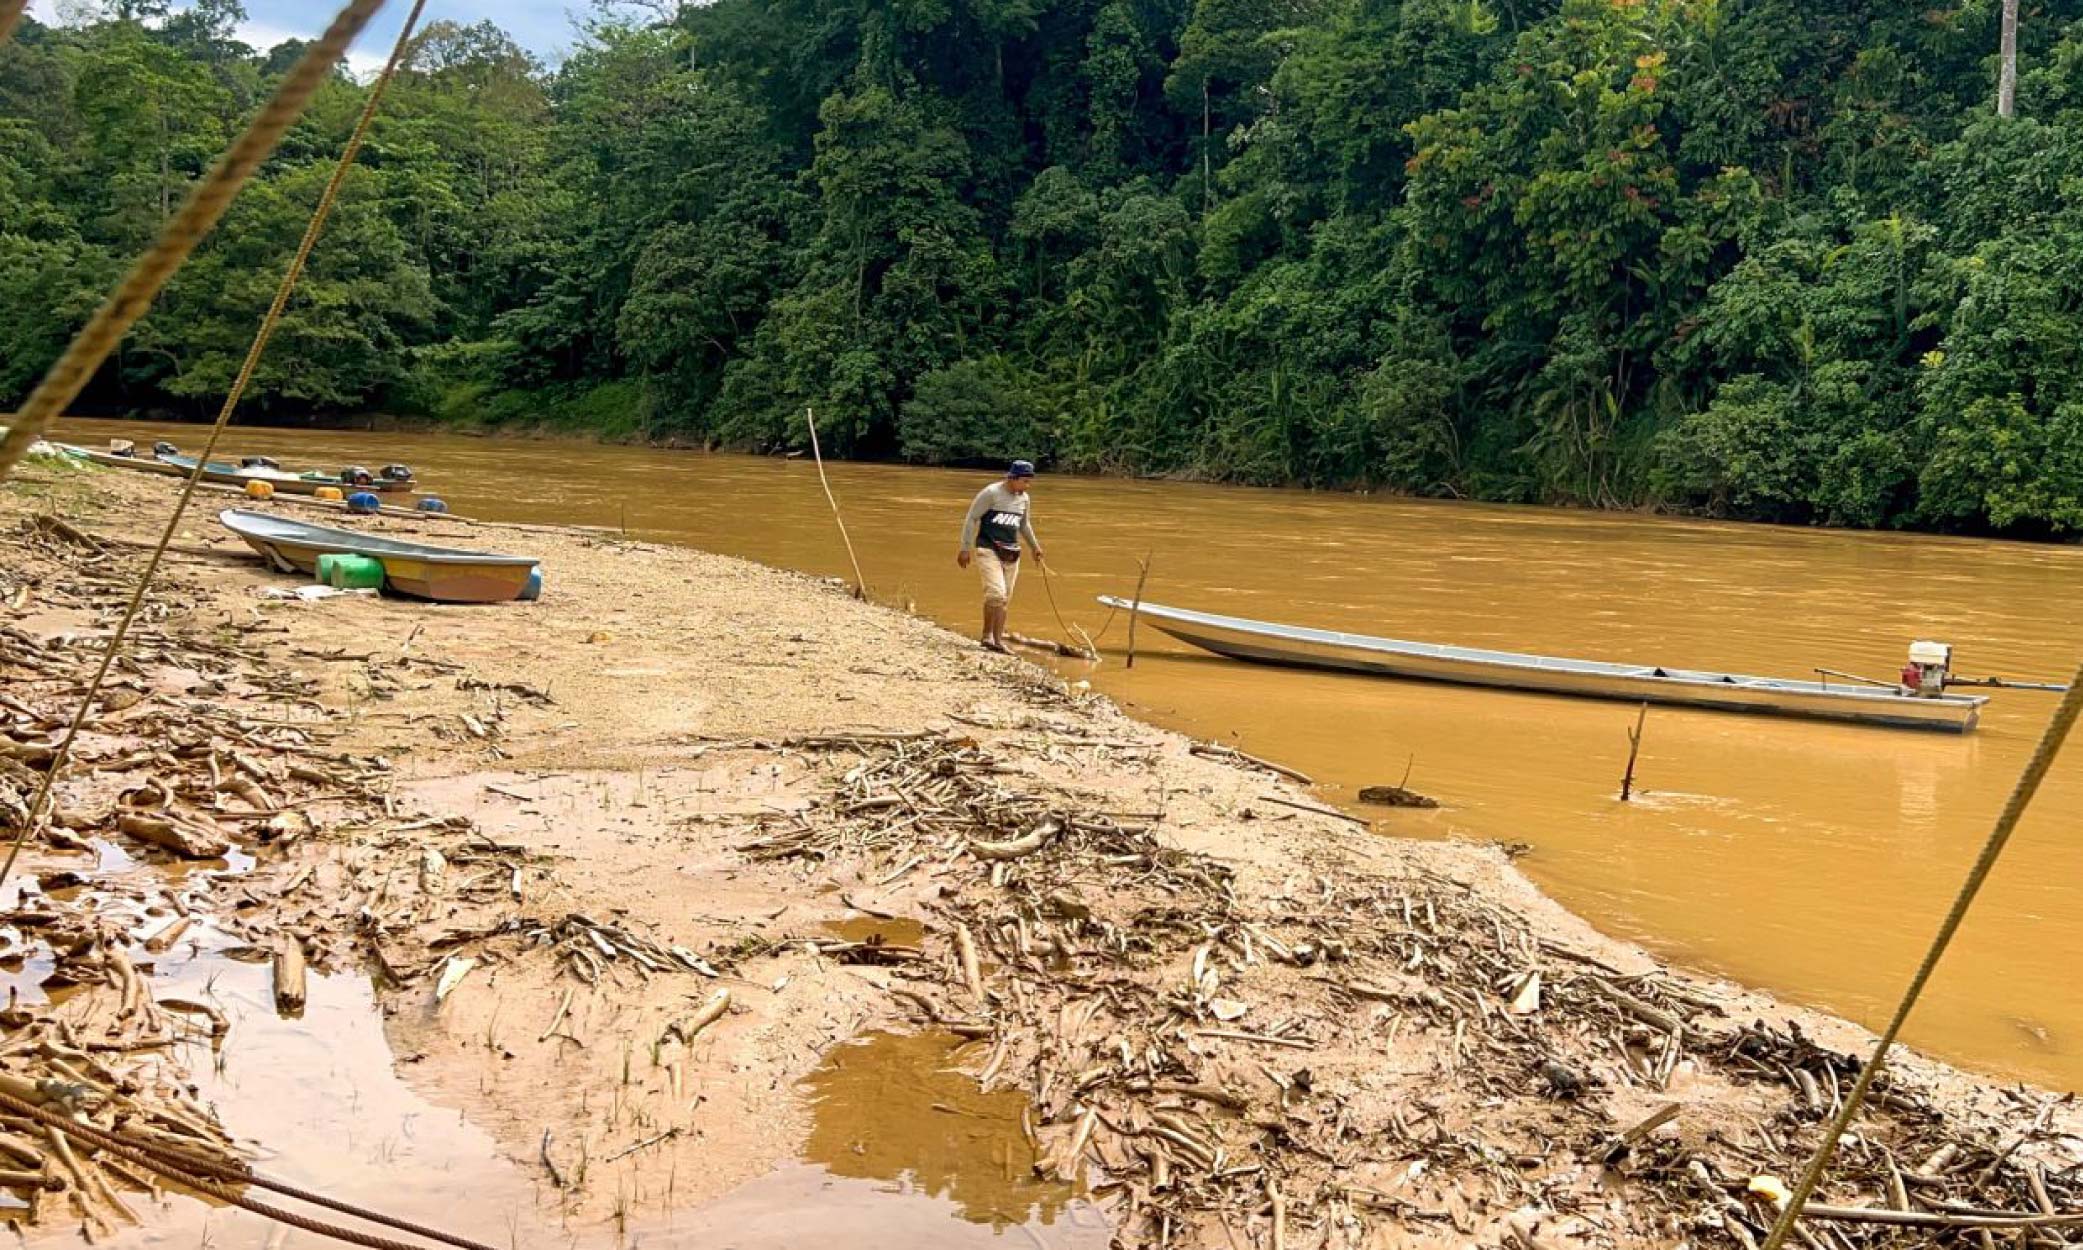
[(198, 215), (2022, 793), (10, 13), (231, 401), (226, 1182)]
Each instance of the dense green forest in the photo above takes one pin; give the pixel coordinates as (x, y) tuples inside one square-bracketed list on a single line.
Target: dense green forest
[(1767, 258)]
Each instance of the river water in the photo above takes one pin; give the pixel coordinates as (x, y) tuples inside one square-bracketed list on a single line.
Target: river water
[(1810, 859)]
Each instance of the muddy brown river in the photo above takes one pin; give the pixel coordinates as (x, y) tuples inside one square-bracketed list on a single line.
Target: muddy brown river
[(1807, 858)]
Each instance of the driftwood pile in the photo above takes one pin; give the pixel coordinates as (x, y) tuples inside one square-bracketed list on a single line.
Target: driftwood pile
[(198, 747), (1301, 1062), (196, 743), (104, 1062)]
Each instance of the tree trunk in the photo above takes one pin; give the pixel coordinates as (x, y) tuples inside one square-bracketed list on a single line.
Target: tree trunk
[(1207, 176), (2007, 73)]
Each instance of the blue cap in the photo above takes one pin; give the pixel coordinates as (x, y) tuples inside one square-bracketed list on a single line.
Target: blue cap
[(1021, 468)]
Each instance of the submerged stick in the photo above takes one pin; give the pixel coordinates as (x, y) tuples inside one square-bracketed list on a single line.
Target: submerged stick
[(1634, 748), (860, 584), (1064, 649), (1135, 607)]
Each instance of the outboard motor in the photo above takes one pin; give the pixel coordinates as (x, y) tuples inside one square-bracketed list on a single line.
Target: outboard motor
[(1930, 663), (121, 447), (164, 448), (259, 462), (396, 473), (356, 475)]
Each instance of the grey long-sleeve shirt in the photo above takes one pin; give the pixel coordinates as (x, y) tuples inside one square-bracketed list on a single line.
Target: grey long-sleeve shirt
[(998, 498)]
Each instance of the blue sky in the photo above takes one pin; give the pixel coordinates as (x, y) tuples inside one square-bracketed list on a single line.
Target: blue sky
[(544, 27)]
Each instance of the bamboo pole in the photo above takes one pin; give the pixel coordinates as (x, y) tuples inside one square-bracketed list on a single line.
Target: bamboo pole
[(1135, 608), (860, 584)]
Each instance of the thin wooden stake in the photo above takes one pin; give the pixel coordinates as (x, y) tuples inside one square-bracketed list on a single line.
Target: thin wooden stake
[(860, 584), (1634, 748), (1135, 608)]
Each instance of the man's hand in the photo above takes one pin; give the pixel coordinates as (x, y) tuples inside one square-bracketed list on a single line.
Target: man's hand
[(962, 557), (1040, 557)]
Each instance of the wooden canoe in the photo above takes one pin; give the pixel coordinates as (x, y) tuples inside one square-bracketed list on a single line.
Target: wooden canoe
[(443, 574), (1245, 639)]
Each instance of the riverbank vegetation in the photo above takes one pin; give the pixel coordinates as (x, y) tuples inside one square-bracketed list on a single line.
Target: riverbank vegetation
[(1754, 257)]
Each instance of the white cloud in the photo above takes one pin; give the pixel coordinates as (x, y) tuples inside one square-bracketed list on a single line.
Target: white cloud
[(361, 62)]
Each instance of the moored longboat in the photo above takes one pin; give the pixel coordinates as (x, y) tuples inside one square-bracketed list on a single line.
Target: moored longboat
[(1242, 638)]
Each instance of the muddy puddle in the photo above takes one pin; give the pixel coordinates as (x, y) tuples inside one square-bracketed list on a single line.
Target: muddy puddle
[(877, 930), (904, 1150), (321, 1096), (899, 1110)]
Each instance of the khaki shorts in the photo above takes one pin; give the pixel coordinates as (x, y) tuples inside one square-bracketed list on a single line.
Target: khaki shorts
[(997, 576)]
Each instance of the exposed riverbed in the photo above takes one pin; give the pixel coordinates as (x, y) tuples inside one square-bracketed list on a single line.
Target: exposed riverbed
[(1809, 859), (697, 901)]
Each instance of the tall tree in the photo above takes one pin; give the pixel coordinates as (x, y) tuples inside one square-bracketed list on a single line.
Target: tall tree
[(2007, 70)]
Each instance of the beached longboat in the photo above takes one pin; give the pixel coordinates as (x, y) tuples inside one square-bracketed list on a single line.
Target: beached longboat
[(138, 464), (173, 464), (281, 479), (1245, 639), (443, 574)]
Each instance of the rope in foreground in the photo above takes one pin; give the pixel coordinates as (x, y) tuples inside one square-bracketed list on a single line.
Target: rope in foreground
[(2028, 785), (215, 1178), (312, 229), (218, 1180)]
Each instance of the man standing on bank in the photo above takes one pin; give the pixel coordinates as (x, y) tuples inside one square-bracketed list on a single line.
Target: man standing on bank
[(991, 534)]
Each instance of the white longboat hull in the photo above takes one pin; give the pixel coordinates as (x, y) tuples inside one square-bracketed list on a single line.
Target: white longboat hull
[(1245, 639)]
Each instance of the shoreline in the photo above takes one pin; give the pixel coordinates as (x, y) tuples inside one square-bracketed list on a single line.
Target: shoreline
[(696, 740), (380, 423)]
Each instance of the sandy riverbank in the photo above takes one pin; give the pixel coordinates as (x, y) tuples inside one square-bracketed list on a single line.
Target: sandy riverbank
[(680, 777)]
